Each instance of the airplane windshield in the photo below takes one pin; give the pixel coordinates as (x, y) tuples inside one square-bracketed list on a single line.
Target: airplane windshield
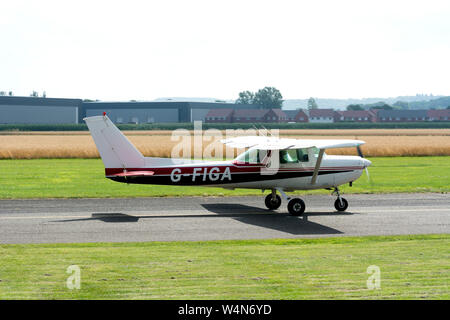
[(249, 156), (315, 152)]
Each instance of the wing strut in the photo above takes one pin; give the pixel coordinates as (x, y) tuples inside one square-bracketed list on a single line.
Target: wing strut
[(316, 169)]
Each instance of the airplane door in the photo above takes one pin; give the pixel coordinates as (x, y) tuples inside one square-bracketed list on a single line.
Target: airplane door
[(294, 158)]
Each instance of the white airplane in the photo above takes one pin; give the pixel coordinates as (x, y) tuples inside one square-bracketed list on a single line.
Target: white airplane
[(270, 163)]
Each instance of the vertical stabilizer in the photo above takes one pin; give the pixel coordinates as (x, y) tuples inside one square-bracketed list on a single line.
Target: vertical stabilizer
[(115, 149)]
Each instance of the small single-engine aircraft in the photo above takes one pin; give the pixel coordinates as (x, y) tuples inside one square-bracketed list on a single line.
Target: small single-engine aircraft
[(270, 163)]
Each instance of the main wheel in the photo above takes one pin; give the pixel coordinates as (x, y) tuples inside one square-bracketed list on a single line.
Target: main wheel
[(341, 206), (272, 204), (296, 207)]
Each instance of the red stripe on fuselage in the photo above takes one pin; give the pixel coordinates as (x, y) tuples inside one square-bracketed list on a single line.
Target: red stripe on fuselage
[(233, 169)]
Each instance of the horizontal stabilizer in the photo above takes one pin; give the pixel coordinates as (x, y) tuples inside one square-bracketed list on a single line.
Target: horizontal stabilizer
[(133, 174)]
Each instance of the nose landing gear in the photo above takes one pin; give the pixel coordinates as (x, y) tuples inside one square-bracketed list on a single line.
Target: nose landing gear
[(340, 204)]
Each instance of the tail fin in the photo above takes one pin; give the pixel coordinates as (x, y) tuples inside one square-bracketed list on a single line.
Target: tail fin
[(115, 149)]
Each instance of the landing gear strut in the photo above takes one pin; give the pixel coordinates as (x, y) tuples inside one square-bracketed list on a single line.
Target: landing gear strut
[(340, 204)]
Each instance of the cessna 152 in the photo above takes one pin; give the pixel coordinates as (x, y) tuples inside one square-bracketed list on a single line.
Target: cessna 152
[(270, 163)]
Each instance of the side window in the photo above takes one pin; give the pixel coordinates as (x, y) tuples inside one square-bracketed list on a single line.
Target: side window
[(288, 156), (302, 155)]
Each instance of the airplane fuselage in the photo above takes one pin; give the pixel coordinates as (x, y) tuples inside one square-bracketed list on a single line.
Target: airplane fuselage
[(334, 171)]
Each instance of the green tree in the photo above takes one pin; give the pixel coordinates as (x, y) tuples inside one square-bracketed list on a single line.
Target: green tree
[(245, 97), (268, 98), (312, 104), (383, 106), (354, 107)]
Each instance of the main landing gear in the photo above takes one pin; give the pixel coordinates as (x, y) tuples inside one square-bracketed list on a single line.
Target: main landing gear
[(296, 206), (273, 201)]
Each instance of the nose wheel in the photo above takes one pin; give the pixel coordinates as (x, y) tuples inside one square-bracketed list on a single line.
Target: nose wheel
[(340, 204)]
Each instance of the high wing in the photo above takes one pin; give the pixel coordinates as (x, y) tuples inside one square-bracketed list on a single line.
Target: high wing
[(274, 143)]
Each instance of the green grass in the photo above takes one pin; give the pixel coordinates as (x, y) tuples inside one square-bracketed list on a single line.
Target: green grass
[(412, 267), (77, 178)]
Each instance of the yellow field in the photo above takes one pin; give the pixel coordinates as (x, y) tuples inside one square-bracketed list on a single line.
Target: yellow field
[(379, 142)]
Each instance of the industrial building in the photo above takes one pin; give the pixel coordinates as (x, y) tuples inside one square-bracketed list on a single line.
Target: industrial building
[(34, 110)]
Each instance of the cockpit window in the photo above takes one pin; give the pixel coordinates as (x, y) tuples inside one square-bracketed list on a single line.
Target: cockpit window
[(294, 155), (288, 156), (302, 155), (249, 156)]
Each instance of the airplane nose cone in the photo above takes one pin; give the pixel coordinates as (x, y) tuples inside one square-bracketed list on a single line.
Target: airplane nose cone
[(366, 163)]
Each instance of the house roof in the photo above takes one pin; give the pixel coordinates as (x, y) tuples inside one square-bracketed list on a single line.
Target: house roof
[(224, 112), (279, 112), (439, 113), (321, 113), (402, 113), (355, 113), (293, 113), (250, 113)]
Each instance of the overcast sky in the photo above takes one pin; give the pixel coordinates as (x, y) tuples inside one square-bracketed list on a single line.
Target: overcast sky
[(122, 50)]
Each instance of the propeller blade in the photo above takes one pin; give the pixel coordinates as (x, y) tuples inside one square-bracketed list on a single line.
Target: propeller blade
[(367, 173), (359, 152)]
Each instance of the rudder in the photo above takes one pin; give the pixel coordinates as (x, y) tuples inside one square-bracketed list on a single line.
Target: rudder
[(115, 149)]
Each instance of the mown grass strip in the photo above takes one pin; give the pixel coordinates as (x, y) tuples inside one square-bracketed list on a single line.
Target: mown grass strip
[(411, 267)]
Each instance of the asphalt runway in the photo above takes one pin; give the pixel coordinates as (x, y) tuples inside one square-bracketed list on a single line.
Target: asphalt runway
[(217, 218)]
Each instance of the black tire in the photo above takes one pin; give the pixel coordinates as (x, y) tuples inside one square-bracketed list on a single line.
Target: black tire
[(339, 206), (296, 207), (272, 205)]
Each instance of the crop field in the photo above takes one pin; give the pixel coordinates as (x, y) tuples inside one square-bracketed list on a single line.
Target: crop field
[(78, 178), (79, 144), (410, 267)]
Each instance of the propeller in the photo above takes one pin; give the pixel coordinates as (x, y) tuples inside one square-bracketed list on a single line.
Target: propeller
[(358, 148)]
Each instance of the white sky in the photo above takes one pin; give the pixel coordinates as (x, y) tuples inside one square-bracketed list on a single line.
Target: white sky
[(122, 50)]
